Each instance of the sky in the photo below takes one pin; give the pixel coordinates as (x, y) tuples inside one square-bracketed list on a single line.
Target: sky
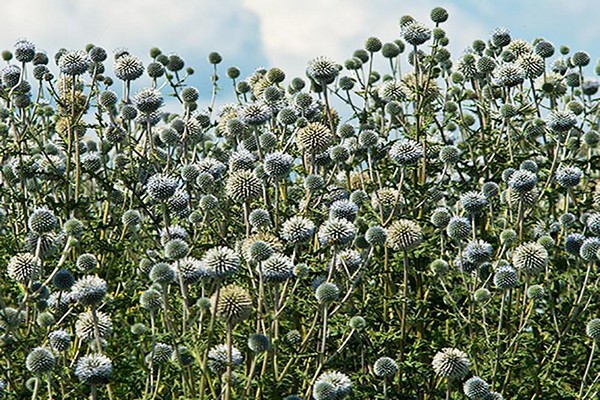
[(282, 33)]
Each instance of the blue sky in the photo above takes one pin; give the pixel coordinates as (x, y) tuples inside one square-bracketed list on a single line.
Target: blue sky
[(283, 33)]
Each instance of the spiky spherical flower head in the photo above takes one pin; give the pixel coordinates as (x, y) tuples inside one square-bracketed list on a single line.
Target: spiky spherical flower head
[(63, 280), (24, 51), (344, 209), (336, 231), (589, 248), (89, 290), (160, 354), (40, 361), (505, 277), (580, 59), (459, 228), (376, 235), (357, 323), (404, 235), (568, 176), (385, 367), (221, 262), (438, 15), (217, 358), (449, 154), (84, 326), (327, 292), (148, 100), (561, 120), (530, 258), (573, 243), (242, 186), (314, 138), (451, 363), (86, 262), (24, 267), (416, 33), (593, 329), (535, 292), (532, 64), (341, 384), (406, 152), (151, 299), (324, 391), (257, 250), (233, 304), (478, 251), (482, 295), (162, 273), (259, 343), (74, 63), (493, 396), (191, 269), (509, 75), (392, 90), (297, 229), (42, 220), (278, 164), (277, 268), (322, 70), (176, 249), (522, 181), (500, 37), (161, 186), (94, 369), (593, 223), (59, 340), (544, 49), (128, 67), (476, 388), (73, 227), (473, 202), (255, 114)]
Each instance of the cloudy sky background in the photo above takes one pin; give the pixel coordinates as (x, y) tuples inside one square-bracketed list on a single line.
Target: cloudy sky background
[(283, 33)]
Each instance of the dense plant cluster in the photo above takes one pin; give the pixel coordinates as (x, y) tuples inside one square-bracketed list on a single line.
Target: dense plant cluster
[(427, 229)]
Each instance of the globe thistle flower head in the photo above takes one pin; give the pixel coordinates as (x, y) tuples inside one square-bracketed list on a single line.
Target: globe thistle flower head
[(392, 90), (297, 229), (522, 181), (376, 235), (530, 258), (151, 300), (259, 343), (277, 268), (327, 292), (74, 63), (322, 70), (532, 64), (255, 114), (94, 369), (505, 277), (257, 251), (221, 262), (190, 269), (148, 100), (313, 138), (473, 202), (217, 358), (406, 152), (592, 329), (10, 75), (451, 363), (42, 220), (569, 176), (86, 262), (242, 186), (385, 367), (573, 243), (341, 384), (509, 75), (336, 232), (416, 33), (176, 249), (233, 304), (476, 388), (482, 295), (589, 249), (500, 37), (343, 209), (544, 49), (161, 186), (84, 326), (160, 354), (59, 340), (40, 360), (162, 273), (89, 290), (535, 292), (561, 120), (128, 67), (24, 51), (478, 251), (459, 228), (63, 280), (24, 267), (260, 219), (278, 164)]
